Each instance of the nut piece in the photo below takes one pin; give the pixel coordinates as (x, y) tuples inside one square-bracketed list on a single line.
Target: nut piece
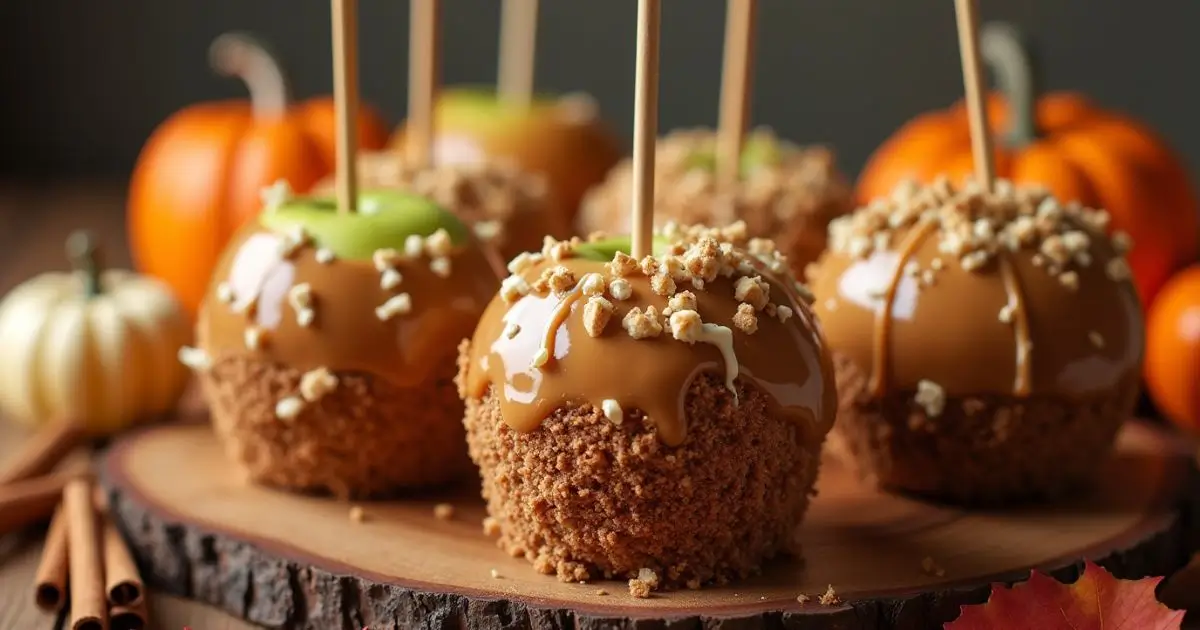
[(390, 279), (612, 410), (622, 265), (931, 396), (596, 314), (1118, 270), (440, 266), (641, 325), (438, 244), (316, 383), (592, 284), (194, 358), (620, 289), (752, 290), (745, 320), (413, 246), (398, 305), (522, 261), (784, 313), (300, 298), (225, 293), (488, 230), (253, 337), (829, 597), (292, 241), (385, 259), (514, 288), (324, 256), (686, 325), (288, 408), (561, 280), (682, 301), (511, 330), (662, 284)]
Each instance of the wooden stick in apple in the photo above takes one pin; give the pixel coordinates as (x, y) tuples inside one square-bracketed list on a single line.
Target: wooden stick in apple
[(518, 45), (345, 99), (645, 125), (981, 136), (735, 88), (424, 66)]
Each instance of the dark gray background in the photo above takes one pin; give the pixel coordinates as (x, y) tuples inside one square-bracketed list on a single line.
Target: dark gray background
[(83, 82)]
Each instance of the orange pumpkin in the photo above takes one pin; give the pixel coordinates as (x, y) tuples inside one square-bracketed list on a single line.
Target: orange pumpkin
[(1172, 367), (201, 173), (1066, 143)]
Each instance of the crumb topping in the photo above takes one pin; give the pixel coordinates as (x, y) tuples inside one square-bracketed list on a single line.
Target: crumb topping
[(324, 256), (300, 298), (612, 410), (289, 407), (396, 305), (315, 384), (973, 227), (194, 358), (698, 256), (932, 397)]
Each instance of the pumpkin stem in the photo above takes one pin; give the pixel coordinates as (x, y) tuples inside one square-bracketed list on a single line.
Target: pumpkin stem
[(243, 56), (1007, 54), (85, 259)]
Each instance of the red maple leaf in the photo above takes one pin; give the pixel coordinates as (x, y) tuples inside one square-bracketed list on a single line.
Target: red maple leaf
[(1097, 601)]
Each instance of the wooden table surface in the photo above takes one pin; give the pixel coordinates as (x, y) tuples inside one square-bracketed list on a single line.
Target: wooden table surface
[(35, 220)]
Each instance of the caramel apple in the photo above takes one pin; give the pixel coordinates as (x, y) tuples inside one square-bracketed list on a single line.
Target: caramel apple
[(661, 417), (507, 207), (561, 138), (987, 345), (326, 343), (786, 192)]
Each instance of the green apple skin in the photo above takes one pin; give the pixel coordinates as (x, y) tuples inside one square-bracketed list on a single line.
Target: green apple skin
[(573, 154), (384, 219), (603, 250), (758, 151)]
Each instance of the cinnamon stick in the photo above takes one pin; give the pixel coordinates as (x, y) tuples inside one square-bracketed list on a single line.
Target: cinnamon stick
[(122, 582), (134, 617), (89, 608), (24, 503), (40, 453), (50, 582)]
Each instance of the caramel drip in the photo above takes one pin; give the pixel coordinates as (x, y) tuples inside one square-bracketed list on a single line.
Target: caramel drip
[(1023, 344), (560, 315), (345, 333), (881, 367), (784, 360)]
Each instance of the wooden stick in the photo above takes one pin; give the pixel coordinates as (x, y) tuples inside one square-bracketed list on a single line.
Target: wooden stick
[(345, 99), (424, 66), (981, 135), (645, 125), (735, 88), (134, 617), (42, 452), (518, 51), (89, 608), (50, 581), (23, 503), (122, 582)]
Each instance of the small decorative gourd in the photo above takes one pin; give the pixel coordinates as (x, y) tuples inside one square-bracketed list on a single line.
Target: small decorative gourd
[(97, 346)]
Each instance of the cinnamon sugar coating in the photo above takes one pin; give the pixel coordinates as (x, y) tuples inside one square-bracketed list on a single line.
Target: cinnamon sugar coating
[(791, 200), (508, 208), (586, 497), (363, 438), (990, 449)]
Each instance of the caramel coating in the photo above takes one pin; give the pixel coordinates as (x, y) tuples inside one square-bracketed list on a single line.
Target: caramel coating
[(256, 286), (980, 293), (541, 349)]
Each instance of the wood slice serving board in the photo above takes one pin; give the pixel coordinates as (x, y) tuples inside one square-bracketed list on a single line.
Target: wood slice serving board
[(290, 561)]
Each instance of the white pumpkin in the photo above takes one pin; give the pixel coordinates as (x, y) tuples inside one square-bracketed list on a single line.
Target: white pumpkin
[(95, 346)]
